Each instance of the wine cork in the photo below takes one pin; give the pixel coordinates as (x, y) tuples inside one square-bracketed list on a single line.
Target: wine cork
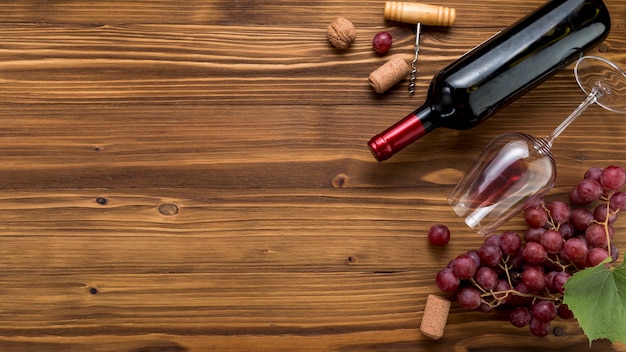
[(411, 12), (389, 74), (435, 316)]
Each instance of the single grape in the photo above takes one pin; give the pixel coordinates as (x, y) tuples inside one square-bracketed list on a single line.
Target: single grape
[(439, 235), (464, 266), (493, 239), (534, 253), (588, 191), (534, 278), (552, 241), (475, 256), (533, 234), (520, 317), (486, 277), (618, 201), (447, 280), (544, 311), (564, 312), (574, 198), (559, 280), (510, 242), (469, 297), (593, 173), (490, 255), (539, 328), (596, 235), (382, 42), (566, 230), (581, 218), (600, 214), (575, 250), (559, 212), (596, 256), (613, 178), (535, 216)]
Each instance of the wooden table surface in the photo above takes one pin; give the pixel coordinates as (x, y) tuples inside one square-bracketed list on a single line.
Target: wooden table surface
[(194, 176)]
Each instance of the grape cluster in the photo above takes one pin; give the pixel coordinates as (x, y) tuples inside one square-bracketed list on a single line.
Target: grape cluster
[(525, 274)]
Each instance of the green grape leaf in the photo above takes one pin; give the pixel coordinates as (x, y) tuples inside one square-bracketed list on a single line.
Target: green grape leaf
[(597, 297)]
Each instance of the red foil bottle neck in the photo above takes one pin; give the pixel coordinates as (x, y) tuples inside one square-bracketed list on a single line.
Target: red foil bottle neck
[(411, 128)]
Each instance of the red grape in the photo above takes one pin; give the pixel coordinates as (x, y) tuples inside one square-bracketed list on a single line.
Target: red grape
[(464, 266), (534, 253), (559, 280), (510, 243), (534, 278), (588, 191), (439, 235), (618, 201), (490, 255), (596, 235), (559, 212), (600, 214), (535, 216), (520, 317), (552, 241), (487, 278), (533, 234), (581, 218), (575, 250), (539, 328), (566, 230), (475, 256), (613, 178), (593, 173), (544, 311), (596, 256), (447, 280), (564, 312), (493, 239), (382, 42), (469, 297)]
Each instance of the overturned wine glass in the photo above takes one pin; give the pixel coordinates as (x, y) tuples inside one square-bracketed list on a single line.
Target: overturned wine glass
[(516, 169)]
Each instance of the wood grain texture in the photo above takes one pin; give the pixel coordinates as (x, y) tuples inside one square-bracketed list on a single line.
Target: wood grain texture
[(194, 176)]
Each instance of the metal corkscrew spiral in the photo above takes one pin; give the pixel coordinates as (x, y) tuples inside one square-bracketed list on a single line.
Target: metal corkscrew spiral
[(413, 76)]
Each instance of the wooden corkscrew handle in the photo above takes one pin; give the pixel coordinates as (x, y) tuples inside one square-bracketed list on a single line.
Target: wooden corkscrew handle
[(411, 12)]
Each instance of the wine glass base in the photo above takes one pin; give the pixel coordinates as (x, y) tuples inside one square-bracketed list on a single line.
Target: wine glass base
[(604, 79)]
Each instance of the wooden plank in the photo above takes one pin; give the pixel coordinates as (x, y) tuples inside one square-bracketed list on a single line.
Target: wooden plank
[(194, 176)]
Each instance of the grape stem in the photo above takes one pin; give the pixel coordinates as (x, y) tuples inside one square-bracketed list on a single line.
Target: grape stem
[(605, 223), (500, 296)]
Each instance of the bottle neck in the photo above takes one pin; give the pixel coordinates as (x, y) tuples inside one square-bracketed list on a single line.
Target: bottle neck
[(406, 131)]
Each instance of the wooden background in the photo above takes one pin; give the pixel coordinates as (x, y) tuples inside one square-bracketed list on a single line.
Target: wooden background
[(194, 176)]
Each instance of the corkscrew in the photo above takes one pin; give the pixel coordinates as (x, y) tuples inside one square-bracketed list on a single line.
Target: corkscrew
[(416, 13), (413, 76)]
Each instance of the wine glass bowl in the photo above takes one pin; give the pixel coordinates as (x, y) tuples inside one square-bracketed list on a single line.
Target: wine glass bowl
[(516, 169), (513, 170)]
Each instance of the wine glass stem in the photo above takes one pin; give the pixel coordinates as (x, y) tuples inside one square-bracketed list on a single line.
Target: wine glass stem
[(591, 98)]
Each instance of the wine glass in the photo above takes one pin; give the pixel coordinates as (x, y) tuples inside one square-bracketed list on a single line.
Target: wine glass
[(516, 169)]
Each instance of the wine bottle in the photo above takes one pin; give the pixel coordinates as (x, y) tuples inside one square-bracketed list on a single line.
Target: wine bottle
[(500, 70)]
